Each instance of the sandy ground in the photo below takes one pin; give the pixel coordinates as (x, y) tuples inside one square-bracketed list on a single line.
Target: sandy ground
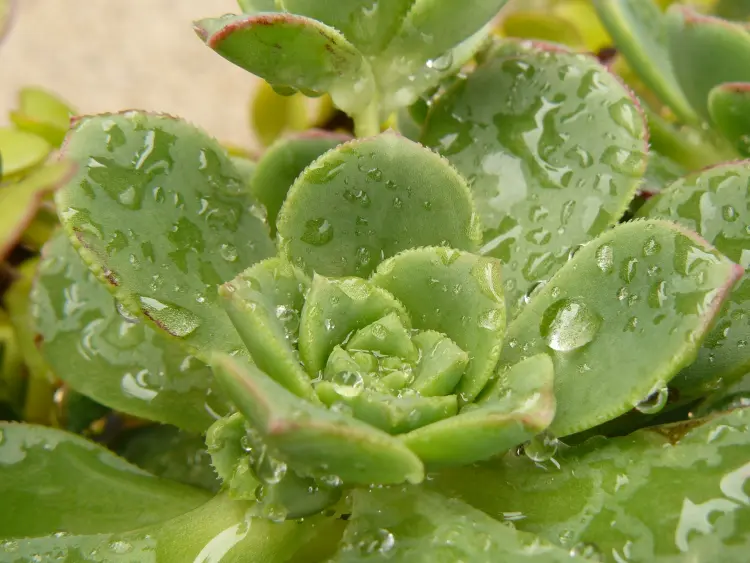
[(106, 55)]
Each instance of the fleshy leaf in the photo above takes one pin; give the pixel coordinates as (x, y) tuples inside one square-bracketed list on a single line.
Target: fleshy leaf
[(441, 366), (432, 27), (457, 294), (706, 52), (312, 56), (369, 199), (265, 304), (170, 453), (42, 114), (250, 472), (135, 167), (522, 408), (11, 366), (283, 162), (639, 29), (729, 106), (20, 201), (400, 525), (313, 440), (621, 318), (674, 493), (713, 203), (368, 24), (39, 388), (105, 353), (395, 415), (387, 336), (543, 25), (334, 309), (553, 147), (221, 528), (20, 151), (54, 481)]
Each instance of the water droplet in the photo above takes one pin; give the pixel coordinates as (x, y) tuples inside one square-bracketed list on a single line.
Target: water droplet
[(605, 258), (655, 402), (651, 247), (588, 551), (120, 547), (275, 512), (444, 62), (535, 288), (729, 213), (492, 319), (270, 470), (628, 270), (172, 318), (381, 541), (127, 315), (569, 324), (228, 252), (374, 175), (575, 250), (283, 90), (318, 232), (397, 202), (329, 324), (542, 447)]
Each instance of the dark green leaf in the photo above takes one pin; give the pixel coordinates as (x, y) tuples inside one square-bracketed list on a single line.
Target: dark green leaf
[(135, 168), (729, 106), (621, 318), (554, 149), (105, 353), (53, 481)]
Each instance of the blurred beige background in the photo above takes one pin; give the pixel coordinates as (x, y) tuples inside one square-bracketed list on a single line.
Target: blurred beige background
[(107, 55)]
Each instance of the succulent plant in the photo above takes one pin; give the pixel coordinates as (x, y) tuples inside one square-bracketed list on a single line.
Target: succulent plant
[(508, 330)]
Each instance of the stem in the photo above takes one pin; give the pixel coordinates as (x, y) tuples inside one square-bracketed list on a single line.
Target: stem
[(692, 154), (367, 123)]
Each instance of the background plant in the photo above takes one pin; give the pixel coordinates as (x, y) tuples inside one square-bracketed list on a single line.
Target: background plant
[(385, 339)]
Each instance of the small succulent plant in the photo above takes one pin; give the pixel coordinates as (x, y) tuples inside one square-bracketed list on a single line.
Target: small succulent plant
[(507, 321)]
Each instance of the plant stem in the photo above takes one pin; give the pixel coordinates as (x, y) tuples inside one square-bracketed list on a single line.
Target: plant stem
[(367, 123)]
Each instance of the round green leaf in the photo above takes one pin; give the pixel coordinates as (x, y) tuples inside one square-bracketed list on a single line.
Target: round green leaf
[(457, 294), (621, 318), (714, 203), (105, 353), (554, 148), (54, 481), (161, 216), (369, 199)]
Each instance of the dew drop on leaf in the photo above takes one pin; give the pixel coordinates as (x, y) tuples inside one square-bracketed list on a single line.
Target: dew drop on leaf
[(535, 288), (605, 258), (655, 401), (318, 232), (127, 315), (542, 447), (175, 320), (569, 324), (228, 252)]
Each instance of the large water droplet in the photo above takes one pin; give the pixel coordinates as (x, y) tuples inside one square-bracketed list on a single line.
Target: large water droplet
[(172, 318), (655, 401), (442, 63), (542, 447), (228, 252), (569, 324), (318, 232), (588, 551)]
